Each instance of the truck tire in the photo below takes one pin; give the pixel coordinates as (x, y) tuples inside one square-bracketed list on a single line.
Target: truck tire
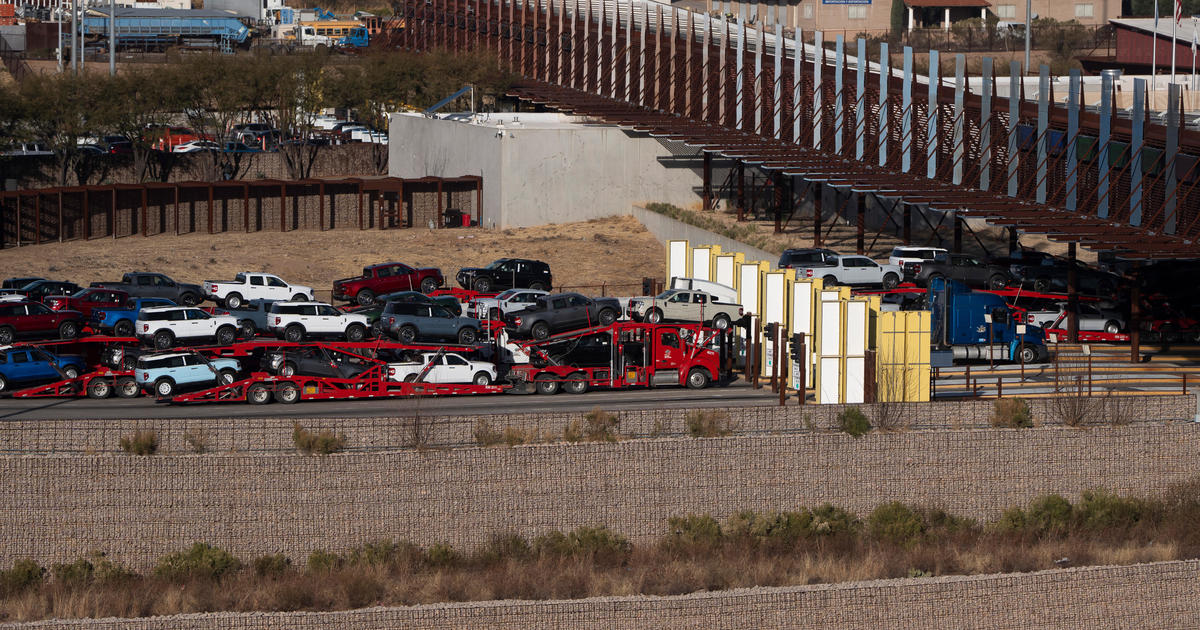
[(1028, 353), (482, 378), (607, 316), (997, 282), (164, 387), (407, 334), (99, 388), (123, 328), (68, 330), (830, 281), (540, 330), (466, 336), (7, 335), (70, 371), (287, 369), (249, 330), (189, 299), (721, 321), (538, 286), (233, 300), (258, 394), (575, 384), (226, 377), (482, 285), (294, 333), (890, 280), (3, 384), (698, 378), (428, 285), (287, 392), (163, 339), (127, 387), (366, 297), (300, 297), (1111, 326), (654, 316), (546, 384), (1041, 285), (356, 332), (226, 335)]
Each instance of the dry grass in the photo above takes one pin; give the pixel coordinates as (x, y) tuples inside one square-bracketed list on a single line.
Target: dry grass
[(617, 250)]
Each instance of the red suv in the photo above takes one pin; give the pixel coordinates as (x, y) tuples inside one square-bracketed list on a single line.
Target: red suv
[(87, 300), (30, 319)]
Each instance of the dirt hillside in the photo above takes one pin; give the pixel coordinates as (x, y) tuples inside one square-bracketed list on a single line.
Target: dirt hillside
[(614, 251)]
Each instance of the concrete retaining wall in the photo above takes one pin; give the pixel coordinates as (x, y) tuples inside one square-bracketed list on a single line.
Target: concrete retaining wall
[(665, 229)]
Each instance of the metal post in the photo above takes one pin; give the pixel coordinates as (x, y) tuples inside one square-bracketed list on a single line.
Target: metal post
[(777, 183), (440, 221), (210, 208), (1072, 296), (707, 180), (780, 336), (862, 223), (752, 352), (283, 207), (112, 38), (801, 392), (741, 204), (870, 381), (958, 226), (1135, 324), (816, 199), (1028, 33), (907, 223)]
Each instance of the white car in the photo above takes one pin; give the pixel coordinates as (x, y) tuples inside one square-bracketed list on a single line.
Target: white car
[(196, 146), (447, 368), (255, 286), (906, 253), (296, 321), (507, 301), (855, 271), (163, 325)]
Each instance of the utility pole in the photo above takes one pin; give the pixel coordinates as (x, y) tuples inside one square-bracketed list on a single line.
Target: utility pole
[(112, 38)]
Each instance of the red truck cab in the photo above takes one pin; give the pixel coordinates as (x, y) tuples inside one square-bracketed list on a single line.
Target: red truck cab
[(377, 280), (34, 320), (87, 300)]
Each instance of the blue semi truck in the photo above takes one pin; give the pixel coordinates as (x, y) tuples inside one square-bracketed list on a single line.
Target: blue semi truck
[(157, 29), (976, 325)]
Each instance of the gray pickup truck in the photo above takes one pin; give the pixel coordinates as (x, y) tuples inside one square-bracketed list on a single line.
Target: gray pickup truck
[(147, 284), (561, 312), (682, 305)]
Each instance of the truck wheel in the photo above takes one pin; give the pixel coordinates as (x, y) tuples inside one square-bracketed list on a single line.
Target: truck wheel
[(654, 316), (1028, 353), (540, 330), (226, 377), (830, 281), (300, 297), (356, 332), (698, 378), (890, 280), (576, 384), (226, 335), (287, 392), (123, 328), (189, 299), (70, 371), (233, 300), (607, 317), (163, 339), (258, 394), (164, 387), (538, 286), (721, 321), (6, 335), (466, 336), (483, 285), (428, 285), (99, 388), (997, 282), (1112, 326), (546, 384), (249, 330), (366, 297), (482, 378), (1041, 285), (68, 330), (377, 329), (294, 333), (407, 334), (493, 313), (3, 384), (127, 387), (287, 369)]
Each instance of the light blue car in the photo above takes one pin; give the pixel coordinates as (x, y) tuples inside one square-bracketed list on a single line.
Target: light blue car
[(166, 373)]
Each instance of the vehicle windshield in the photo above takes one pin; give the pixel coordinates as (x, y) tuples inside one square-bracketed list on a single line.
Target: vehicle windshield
[(495, 264), (666, 294), (80, 293), (31, 286), (240, 278), (509, 293)]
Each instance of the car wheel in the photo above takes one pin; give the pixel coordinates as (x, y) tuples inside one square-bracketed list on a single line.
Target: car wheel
[(428, 285), (99, 388), (377, 329), (68, 330), (163, 339), (287, 369), (493, 313), (654, 316), (249, 330), (830, 281), (1041, 285), (997, 282), (233, 300), (1112, 326), (127, 387), (538, 286), (226, 377), (189, 299), (410, 378), (576, 384), (70, 371), (294, 333), (226, 335), (698, 378), (3, 384), (466, 336), (128, 363), (258, 394), (124, 328), (890, 280), (483, 285), (721, 322), (1028, 353), (287, 392), (164, 387), (546, 384), (366, 297), (540, 330), (356, 332), (607, 317), (407, 334), (6, 335), (482, 378)]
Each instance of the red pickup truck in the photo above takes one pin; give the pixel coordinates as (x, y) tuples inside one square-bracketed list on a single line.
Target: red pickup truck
[(87, 300), (384, 278), (31, 319)]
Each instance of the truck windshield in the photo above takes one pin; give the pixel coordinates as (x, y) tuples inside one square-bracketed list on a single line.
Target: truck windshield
[(240, 278)]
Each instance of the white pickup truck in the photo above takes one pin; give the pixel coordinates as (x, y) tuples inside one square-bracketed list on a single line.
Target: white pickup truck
[(447, 368), (254, 286)]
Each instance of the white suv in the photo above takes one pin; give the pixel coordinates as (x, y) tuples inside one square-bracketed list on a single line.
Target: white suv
[(294, 321), (162, 325), (905, 254)]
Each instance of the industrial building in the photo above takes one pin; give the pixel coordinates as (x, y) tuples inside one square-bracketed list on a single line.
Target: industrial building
[(257, 10)]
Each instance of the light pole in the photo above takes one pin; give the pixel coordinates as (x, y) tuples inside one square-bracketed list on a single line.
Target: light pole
[(1028, 31)]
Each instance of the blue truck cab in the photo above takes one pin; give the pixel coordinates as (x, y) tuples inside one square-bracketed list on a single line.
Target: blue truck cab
[(119, 321), (981, 326), (28, 366), (165, 373), (356, 38)]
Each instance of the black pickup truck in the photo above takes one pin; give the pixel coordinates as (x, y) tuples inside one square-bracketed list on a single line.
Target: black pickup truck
[(146, 284)]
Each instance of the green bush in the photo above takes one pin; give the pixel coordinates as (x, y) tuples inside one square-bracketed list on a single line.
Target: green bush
[(504, 547), (1050, 514), (693, 533), (1011, 413), (1098, 510), (321, 561), (140, 443), (707, 424), (442, 555), (832, 521), (896, 523), (78, 573), (24, 575), (1012, 521), (383, 553), (781, 529), (595, 543), (272, 565), (202, 561), (853, 421), (322, 442)]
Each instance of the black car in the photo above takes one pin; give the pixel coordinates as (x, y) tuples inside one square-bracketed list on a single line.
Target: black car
[(966, 269), (561, 312), (507, 273), (17, 283), (315, 361), (40, 289), (1053, 278)]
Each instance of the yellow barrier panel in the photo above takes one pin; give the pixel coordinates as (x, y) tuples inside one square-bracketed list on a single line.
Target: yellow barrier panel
[(725, 268), (902, 368)]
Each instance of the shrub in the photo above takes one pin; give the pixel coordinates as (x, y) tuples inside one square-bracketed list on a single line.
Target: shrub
[(573, 432), (896, 523), (271, 565), (321, 561), (485, 434), (707, 424), (1011, 413), (196, 440), (595, 543), (505, 547), (383, 553), (323, 442), (1098, 509), (779, 529), (78, 573), (853, 421), (1050, 514), (24, 574), (202, 561), (515, 437), (107, 572), (1012, 521), (831, 521), (442, 555), (600, 426), (140, 443), (693, 533)]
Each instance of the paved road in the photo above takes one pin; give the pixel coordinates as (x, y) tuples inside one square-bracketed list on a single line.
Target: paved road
[(738, 394)]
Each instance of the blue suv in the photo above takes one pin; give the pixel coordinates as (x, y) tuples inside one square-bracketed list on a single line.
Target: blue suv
[(23, 367), (119, 321), (166, 373)]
